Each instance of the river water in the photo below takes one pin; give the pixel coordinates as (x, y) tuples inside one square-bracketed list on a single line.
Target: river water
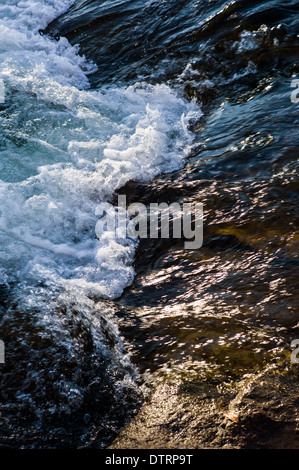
[(177, 101)]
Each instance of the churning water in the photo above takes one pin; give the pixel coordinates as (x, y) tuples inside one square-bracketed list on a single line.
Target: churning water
[(102, 93)]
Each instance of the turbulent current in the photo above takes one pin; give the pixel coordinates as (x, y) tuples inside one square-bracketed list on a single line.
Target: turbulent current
[(177, 101)]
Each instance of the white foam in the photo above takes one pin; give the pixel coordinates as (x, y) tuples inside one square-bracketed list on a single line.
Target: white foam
[(66, 148), (250, 40)]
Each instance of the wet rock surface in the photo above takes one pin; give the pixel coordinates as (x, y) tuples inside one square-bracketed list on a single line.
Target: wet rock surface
[(265, 414), (221, 372), (62, 387)]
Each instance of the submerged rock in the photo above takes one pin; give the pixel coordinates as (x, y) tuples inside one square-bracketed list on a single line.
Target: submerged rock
[(56, 378), (265, 414)]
